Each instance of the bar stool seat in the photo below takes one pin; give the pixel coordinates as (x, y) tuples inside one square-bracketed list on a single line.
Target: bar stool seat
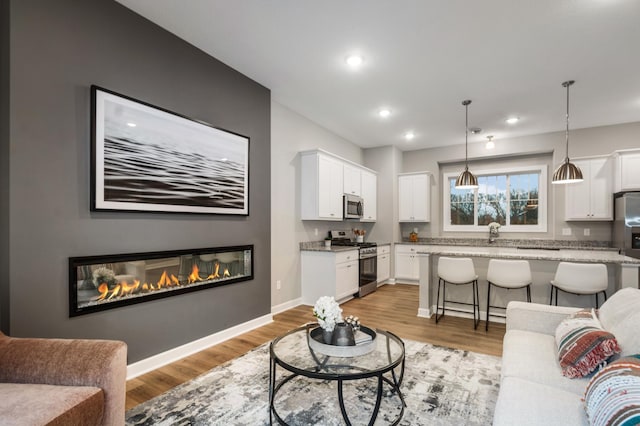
[(508, 274), (580, 278), (457, 271)]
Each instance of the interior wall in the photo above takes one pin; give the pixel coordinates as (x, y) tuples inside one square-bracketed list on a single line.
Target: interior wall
[(4, 166), (583, 143), (290, 134), (58, 49)]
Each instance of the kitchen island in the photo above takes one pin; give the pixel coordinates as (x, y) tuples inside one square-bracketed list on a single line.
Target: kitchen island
[(622, 271)]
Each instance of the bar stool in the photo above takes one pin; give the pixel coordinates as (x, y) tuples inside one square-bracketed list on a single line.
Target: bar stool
[(581, 279), (509, 274), (457, 271)]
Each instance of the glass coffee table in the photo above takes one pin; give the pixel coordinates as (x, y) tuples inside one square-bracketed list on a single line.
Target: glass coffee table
[(293, 353)]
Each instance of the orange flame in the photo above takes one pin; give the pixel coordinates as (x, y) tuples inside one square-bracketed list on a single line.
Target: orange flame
[(216, 273), (193, 277), (226, 273)]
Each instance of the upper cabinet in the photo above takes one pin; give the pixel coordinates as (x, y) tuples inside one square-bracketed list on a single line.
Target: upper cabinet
[(321, 187), (591, 199), (627, 170), (352, 176), (369, 182), (413, 197), (325, 178)]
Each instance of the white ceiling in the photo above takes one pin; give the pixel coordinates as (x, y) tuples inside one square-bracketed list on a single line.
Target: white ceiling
[(422, 58)]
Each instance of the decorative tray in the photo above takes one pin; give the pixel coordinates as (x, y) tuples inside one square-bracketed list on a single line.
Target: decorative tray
[(316, 343)]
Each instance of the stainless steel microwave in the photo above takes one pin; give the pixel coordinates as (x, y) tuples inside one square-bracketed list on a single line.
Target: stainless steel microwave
[(353, 207)]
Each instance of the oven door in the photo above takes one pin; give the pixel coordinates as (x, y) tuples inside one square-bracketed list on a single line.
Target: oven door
[(368, 270)]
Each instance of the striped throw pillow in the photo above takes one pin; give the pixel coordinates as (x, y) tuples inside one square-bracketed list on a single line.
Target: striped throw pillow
[(612, 396), (583, 344)]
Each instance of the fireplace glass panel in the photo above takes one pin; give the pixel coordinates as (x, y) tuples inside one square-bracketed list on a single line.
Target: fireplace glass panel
[(104, 282)]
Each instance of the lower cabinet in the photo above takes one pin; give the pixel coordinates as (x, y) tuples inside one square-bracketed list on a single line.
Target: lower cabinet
[(407, 261), (384, 263), (327, 273)]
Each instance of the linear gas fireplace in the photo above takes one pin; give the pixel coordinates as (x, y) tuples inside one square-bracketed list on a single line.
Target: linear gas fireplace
[(97, 283)]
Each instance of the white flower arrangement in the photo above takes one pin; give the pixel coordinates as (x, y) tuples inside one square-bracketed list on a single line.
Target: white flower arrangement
[(328, 312), (494, 225)]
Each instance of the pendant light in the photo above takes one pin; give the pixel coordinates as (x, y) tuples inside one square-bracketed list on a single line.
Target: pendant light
[(567, 172), (466, 179)]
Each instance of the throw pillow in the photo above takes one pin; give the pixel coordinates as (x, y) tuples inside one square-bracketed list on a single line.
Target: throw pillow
[(612, 396), (583, 344)]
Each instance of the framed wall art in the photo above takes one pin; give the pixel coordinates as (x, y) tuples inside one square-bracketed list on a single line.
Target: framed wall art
[(145, 158)]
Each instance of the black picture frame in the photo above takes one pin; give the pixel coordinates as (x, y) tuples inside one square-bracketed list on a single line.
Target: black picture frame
[(149, 159)]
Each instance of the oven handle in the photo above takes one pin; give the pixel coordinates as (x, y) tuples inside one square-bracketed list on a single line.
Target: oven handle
[(368, 256)]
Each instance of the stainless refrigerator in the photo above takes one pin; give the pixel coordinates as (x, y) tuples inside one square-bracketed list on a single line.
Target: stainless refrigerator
[(626, 225)]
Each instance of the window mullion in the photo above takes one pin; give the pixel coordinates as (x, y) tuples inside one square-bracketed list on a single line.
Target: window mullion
[(508, 209)]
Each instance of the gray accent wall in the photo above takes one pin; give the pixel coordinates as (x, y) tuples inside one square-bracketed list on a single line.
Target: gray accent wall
[(58, 50), (4, 165)]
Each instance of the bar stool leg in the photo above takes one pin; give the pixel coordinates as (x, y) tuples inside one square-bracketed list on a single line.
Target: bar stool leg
[(551, 296), (476, 303), (486, 326)]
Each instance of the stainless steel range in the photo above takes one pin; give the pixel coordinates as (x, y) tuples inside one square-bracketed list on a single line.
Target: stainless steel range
[(368, 263)]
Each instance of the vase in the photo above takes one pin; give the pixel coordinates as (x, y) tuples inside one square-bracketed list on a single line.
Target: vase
[(343, 335), (327, 336)]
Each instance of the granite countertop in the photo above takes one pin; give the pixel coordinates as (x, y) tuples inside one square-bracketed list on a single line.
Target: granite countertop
[(566, 255), (319, 246), (515, 243)]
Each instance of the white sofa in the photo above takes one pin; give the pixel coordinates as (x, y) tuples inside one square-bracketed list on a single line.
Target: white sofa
[(533, 390)]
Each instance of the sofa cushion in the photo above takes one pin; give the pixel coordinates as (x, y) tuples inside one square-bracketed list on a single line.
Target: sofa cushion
[(533, 356), (612, 396), (34, 404), (525, 403), (583, 344), (620, 315)]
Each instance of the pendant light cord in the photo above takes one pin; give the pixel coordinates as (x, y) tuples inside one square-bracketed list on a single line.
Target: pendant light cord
[(466, 133), (567, 84)]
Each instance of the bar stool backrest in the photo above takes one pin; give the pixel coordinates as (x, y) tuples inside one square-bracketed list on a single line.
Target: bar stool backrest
[(456, 270), (581, 278), (509, 273)]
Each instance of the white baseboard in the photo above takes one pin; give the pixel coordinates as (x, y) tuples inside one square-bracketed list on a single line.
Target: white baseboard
[(391, 281), (156, 361), (424, 312), (286, 305)]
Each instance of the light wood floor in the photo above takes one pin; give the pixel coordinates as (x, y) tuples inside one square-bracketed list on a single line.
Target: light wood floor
[(392, 307)]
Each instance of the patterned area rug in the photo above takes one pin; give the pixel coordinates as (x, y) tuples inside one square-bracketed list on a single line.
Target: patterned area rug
[(441, 386)]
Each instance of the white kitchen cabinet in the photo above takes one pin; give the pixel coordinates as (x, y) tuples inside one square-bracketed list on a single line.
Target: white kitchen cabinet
[(413, 197), (351, 177), (384, 263), (627, 171), (407, 261), (321, 187), (591, 199), (328, 273), (369, 195)]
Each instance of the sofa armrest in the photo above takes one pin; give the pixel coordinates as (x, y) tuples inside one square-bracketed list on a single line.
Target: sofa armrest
[(536, 317), (69, 362)]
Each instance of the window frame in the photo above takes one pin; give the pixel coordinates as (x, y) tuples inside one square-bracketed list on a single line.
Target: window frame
[(543, 200)]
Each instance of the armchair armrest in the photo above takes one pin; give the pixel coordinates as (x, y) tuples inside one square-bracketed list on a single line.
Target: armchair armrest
[(536, 317), (69, 362)]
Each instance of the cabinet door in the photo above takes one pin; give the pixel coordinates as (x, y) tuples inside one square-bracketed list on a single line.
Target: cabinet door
[(601, 189), (577, 195), (384, 267), (346, 279), (630, 172), (403, 265), (420, 198), (329, 188), (369, 195), (352, 183), (405, 198)]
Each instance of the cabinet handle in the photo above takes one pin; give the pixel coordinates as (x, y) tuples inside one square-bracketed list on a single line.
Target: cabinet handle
[(348, 266), (332, 214)]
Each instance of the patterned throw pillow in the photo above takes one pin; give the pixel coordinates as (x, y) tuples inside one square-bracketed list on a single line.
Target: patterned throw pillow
[(612, 396), (583, 344)]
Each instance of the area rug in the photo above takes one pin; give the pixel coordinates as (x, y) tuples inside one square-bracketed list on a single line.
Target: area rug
[(441, 386)]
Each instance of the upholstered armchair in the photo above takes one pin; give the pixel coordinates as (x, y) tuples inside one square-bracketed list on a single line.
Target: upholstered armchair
[(62, 381)]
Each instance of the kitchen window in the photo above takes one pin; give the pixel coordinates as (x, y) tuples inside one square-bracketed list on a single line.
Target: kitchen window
[(515, 198)]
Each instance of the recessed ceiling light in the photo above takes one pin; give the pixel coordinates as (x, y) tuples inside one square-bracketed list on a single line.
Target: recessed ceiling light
[(490, 144), (512, 120), (384, 112), (131, 124), (354, 61), (409, 136), (224, 159)]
